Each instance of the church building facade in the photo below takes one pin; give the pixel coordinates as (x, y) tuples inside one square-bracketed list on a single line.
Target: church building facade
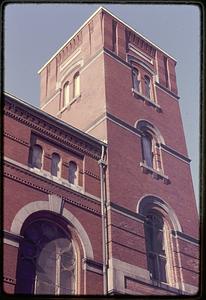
[(98, 194)]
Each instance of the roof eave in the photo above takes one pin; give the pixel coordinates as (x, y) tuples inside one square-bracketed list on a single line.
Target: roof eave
[(97, 11)]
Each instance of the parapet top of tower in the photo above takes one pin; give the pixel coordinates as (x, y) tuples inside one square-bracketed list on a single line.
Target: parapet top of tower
[(131, 36)]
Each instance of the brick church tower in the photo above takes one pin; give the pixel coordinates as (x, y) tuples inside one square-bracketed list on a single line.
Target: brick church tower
[(117, 87)]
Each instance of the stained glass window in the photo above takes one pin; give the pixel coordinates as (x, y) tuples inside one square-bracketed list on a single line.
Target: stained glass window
[(47, 263)]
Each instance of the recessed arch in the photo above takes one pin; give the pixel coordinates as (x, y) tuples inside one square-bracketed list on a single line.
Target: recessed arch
[(68, 69), (132, 59), (38, 206), (144, 125), (152, 201)]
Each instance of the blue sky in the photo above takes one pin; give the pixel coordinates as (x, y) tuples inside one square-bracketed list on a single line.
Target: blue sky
[(34, 32)]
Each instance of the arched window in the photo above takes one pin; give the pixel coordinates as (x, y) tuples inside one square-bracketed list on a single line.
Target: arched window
[(76, 85), (135, 79), (73, 177), (159, 222), (147, 86), (55, 164), (37, 156), (47, 261), (155, 245), (66, 94), (151, 140)]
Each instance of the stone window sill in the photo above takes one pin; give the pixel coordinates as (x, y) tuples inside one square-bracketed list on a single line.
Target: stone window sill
[(146, 100), (69, 104), (59, 180), (155, 173)]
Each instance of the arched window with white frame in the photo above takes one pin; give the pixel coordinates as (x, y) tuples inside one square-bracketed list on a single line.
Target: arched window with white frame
[(159, 223)]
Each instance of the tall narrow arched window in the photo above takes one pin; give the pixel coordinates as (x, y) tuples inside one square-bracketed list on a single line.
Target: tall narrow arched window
[(155, 245), (37, 156), (73, 176), (160, 221), (135, 79), (148, 149), (76, 85), (147, 86), (66, 94), (55, 164), (47, 260), (151, 140)]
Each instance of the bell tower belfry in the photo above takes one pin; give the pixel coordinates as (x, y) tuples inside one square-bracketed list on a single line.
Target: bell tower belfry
[(114, 84)]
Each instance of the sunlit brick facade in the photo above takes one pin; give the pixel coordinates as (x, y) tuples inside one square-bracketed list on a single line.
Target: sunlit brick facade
[(98, 194)]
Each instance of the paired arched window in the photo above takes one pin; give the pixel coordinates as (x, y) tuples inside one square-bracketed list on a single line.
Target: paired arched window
[(37, 154), (66, 94), (47, 260), (55, 164), (135, 80), (73, 173), (76, 85), (147, 87)]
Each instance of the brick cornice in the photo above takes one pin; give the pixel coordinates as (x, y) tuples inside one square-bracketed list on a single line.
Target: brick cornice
[(9, 280), (52, 127), (92, 174), (14, 138), (135, 39)]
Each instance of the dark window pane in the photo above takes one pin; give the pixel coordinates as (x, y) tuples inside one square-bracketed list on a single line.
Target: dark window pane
[(147, 150), (162, 267), (37, 156), (55, 161), (28, 249), (73, 172), (147, 87), (136, 82), (155, 247)]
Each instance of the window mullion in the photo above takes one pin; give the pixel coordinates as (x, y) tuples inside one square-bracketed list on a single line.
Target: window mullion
[(58, 267)]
